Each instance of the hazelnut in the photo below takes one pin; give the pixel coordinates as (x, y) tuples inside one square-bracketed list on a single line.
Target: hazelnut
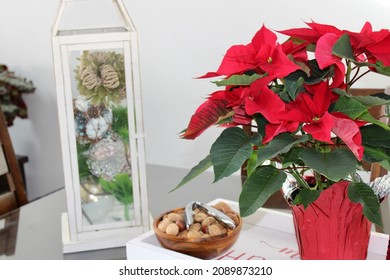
[(221, 226), (223, 207), (181, 225), (162, 226), (234, 217), (172, 229), (214, 230), (194, 234), (199, 217), (208, 221), (195, 227), (175, 217), (181, 212)]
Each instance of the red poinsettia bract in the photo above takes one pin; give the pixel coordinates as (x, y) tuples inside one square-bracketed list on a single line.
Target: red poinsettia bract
[(262, 55), (311, 109), (366, 44)]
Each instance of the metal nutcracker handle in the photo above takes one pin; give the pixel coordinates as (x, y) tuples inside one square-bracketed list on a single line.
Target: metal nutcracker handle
[(218, 215)]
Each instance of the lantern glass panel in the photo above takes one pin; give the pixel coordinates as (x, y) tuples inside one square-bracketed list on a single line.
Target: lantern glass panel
[(101, 136)]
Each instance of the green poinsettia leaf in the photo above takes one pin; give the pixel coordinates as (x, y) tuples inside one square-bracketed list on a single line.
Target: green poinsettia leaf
[(316, 74), (294, 81), (381, 95), (375, 136), (363, 194), (339, 91), (369, 118), (343, 48), (201, 167), (334, 165), (279, 145), (251, 163), (261, 123), (385, 164), (229, 152), (376, 154), (258, 187), (306, 196), (293, 87), (238, 80), (293, 156), (370, 100), (380, 68), (350, 107)]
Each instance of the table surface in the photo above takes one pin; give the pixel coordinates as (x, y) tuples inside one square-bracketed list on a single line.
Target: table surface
[(34, 230)]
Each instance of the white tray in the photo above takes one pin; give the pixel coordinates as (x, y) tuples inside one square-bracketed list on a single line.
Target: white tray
[(267, 234)]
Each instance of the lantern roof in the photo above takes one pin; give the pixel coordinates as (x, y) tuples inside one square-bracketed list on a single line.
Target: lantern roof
[(81, 17)]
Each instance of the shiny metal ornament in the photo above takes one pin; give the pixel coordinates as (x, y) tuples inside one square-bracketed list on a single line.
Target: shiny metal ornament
[(381, 186), (107, 158), (290, 188)]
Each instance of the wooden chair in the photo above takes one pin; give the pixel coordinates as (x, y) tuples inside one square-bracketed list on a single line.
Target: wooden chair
[(15, 195)]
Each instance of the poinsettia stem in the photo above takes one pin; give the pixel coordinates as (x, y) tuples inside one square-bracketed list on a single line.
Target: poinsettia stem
[(356, 73), (297, 168), (356, 79), (294, 172), (348, 74), (317, 176)]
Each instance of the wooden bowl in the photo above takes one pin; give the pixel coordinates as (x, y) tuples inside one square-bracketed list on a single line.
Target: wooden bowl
[(203, 248)]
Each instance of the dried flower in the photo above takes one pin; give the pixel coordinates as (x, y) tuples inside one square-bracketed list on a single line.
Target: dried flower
[(89, 77), (109, 76), (101, 77)]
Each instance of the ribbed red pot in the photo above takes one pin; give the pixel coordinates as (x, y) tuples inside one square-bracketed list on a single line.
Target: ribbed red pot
[(333, 227)]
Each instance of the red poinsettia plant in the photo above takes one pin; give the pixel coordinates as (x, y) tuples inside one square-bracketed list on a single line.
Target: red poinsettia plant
[(304, 121)]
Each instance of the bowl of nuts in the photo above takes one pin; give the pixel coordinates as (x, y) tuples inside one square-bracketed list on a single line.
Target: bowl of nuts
[(198, 230)]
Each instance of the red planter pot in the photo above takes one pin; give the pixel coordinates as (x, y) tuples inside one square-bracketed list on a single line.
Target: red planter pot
[(333, 227)]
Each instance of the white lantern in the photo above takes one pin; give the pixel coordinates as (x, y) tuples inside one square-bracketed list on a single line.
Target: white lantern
[(102, 137)]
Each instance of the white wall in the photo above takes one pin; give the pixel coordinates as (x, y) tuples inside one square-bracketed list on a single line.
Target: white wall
[(179, 40)]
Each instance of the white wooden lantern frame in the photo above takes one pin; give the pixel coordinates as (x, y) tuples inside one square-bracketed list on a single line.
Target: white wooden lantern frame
[(78, 235)]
